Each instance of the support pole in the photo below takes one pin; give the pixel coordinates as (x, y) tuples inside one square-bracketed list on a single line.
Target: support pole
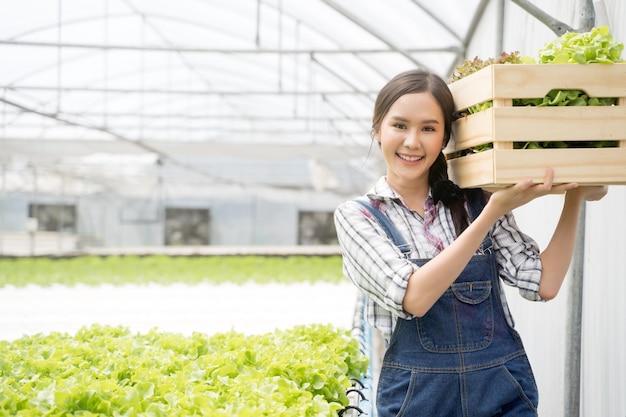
[(573, 336), (573, 340)]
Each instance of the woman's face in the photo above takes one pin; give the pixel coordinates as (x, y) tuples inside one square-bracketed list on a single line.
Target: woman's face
[(411, 136)]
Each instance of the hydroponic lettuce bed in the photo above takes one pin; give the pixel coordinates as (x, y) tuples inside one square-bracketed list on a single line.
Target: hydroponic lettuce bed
[(110, 371), (161, 336), (251, 294), (161, 269)]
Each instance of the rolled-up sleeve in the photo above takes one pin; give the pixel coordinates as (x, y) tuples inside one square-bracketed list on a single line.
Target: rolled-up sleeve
[(370, 259), (518, 257)]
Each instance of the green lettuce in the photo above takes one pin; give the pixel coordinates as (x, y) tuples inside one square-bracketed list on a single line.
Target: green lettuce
[(118, 270), (594, 46), (109, 371)]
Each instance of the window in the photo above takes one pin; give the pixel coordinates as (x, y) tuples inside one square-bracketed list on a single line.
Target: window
[(185, 226), (54, 217), (316, 228)]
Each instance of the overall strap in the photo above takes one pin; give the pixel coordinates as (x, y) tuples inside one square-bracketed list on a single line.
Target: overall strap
[(384, 222), (476, 202)]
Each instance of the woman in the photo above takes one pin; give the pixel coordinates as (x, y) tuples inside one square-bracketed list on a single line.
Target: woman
[(452, 349)]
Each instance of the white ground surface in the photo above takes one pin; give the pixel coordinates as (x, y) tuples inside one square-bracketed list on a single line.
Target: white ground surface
[(207, 308)]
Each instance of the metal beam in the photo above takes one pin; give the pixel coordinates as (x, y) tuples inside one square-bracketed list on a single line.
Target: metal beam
[(555, 25), (185, 116), (255, 130), (476, 19), (261, 51), (440, 21), (367, 28), (573, 342), (186, 92)]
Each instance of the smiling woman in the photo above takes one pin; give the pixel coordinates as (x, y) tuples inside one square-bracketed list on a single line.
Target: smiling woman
[(432, 284), (229, 124)]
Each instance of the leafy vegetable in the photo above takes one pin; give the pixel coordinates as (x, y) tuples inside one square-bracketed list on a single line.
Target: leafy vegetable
[(117, 270), (594, 46), (108, 371), (565, 98), (468, 67)]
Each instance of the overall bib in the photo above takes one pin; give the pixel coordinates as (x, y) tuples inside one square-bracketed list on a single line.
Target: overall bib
[(462, 358)]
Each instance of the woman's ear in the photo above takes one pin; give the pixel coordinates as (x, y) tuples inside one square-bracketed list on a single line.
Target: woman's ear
[(446, 140)]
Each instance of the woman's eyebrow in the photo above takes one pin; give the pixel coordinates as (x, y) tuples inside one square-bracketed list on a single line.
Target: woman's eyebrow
[(399, 118), (405, 120)]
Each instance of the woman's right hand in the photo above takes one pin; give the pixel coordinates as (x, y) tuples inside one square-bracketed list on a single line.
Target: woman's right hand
[(509, 198)]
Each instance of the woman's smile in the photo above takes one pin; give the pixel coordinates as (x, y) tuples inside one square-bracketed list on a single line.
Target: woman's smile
[(410, 159)]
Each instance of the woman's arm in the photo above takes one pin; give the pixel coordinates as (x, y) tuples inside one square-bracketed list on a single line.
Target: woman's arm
[(429, 282), (556, 258), (370, 259)]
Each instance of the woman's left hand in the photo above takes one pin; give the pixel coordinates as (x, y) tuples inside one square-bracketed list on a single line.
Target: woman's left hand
[(590, 192)]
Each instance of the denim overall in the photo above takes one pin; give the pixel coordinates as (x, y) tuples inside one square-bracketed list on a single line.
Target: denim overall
[(461, 358)]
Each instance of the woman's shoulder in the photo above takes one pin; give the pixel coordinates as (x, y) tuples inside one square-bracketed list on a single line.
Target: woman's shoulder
[(349, 205)]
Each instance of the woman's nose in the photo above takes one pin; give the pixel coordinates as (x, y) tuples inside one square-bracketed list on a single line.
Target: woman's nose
[(412, 139)]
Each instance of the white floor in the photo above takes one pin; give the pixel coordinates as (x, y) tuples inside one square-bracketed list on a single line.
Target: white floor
[(207, 308)]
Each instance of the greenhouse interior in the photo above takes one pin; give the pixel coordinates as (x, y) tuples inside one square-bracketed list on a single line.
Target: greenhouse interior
[(169, 178)]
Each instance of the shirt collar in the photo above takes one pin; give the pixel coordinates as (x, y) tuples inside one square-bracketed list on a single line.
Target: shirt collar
[(382, 191)]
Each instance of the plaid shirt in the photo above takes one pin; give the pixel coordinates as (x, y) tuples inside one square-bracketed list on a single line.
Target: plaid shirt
[(377, 267)]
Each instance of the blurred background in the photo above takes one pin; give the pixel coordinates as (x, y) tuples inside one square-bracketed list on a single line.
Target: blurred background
[(129, 123), (147, 126)]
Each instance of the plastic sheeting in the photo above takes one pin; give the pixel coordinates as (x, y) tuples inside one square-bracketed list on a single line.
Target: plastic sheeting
[(107, 80)]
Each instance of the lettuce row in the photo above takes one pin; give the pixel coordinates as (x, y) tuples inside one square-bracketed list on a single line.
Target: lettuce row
[(118, 270), (109, 371)]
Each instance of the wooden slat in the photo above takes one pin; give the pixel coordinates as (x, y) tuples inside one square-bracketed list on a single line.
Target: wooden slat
[(502, 81), (622, 102), (474, 170), (496, 168), (473, 89), (530, 81), (523, 124)]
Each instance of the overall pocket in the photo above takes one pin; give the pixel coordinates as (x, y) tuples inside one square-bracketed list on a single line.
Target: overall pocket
[(406, 393), (460, 321)]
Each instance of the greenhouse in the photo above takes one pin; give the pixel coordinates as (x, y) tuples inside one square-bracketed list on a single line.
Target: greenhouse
[(174, 169)]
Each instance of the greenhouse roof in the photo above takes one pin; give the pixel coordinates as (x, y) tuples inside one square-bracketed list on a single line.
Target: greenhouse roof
[(86, 85)]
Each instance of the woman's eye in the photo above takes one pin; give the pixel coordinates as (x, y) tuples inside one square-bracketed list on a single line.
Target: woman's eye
[(399, 126), (428, 128)]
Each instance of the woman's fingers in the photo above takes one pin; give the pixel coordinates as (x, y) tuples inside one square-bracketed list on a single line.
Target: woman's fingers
[(548, 186), (549, 178), (526, 190)]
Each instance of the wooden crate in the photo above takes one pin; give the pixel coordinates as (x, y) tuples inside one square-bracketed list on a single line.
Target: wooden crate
[(504, 124)]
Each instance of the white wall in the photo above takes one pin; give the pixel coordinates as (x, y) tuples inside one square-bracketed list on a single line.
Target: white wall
[(543, 325)]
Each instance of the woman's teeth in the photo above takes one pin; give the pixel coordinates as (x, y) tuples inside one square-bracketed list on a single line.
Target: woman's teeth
[(410, 158)]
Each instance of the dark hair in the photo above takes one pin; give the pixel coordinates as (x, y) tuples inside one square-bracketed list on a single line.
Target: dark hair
[(420, 81)]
